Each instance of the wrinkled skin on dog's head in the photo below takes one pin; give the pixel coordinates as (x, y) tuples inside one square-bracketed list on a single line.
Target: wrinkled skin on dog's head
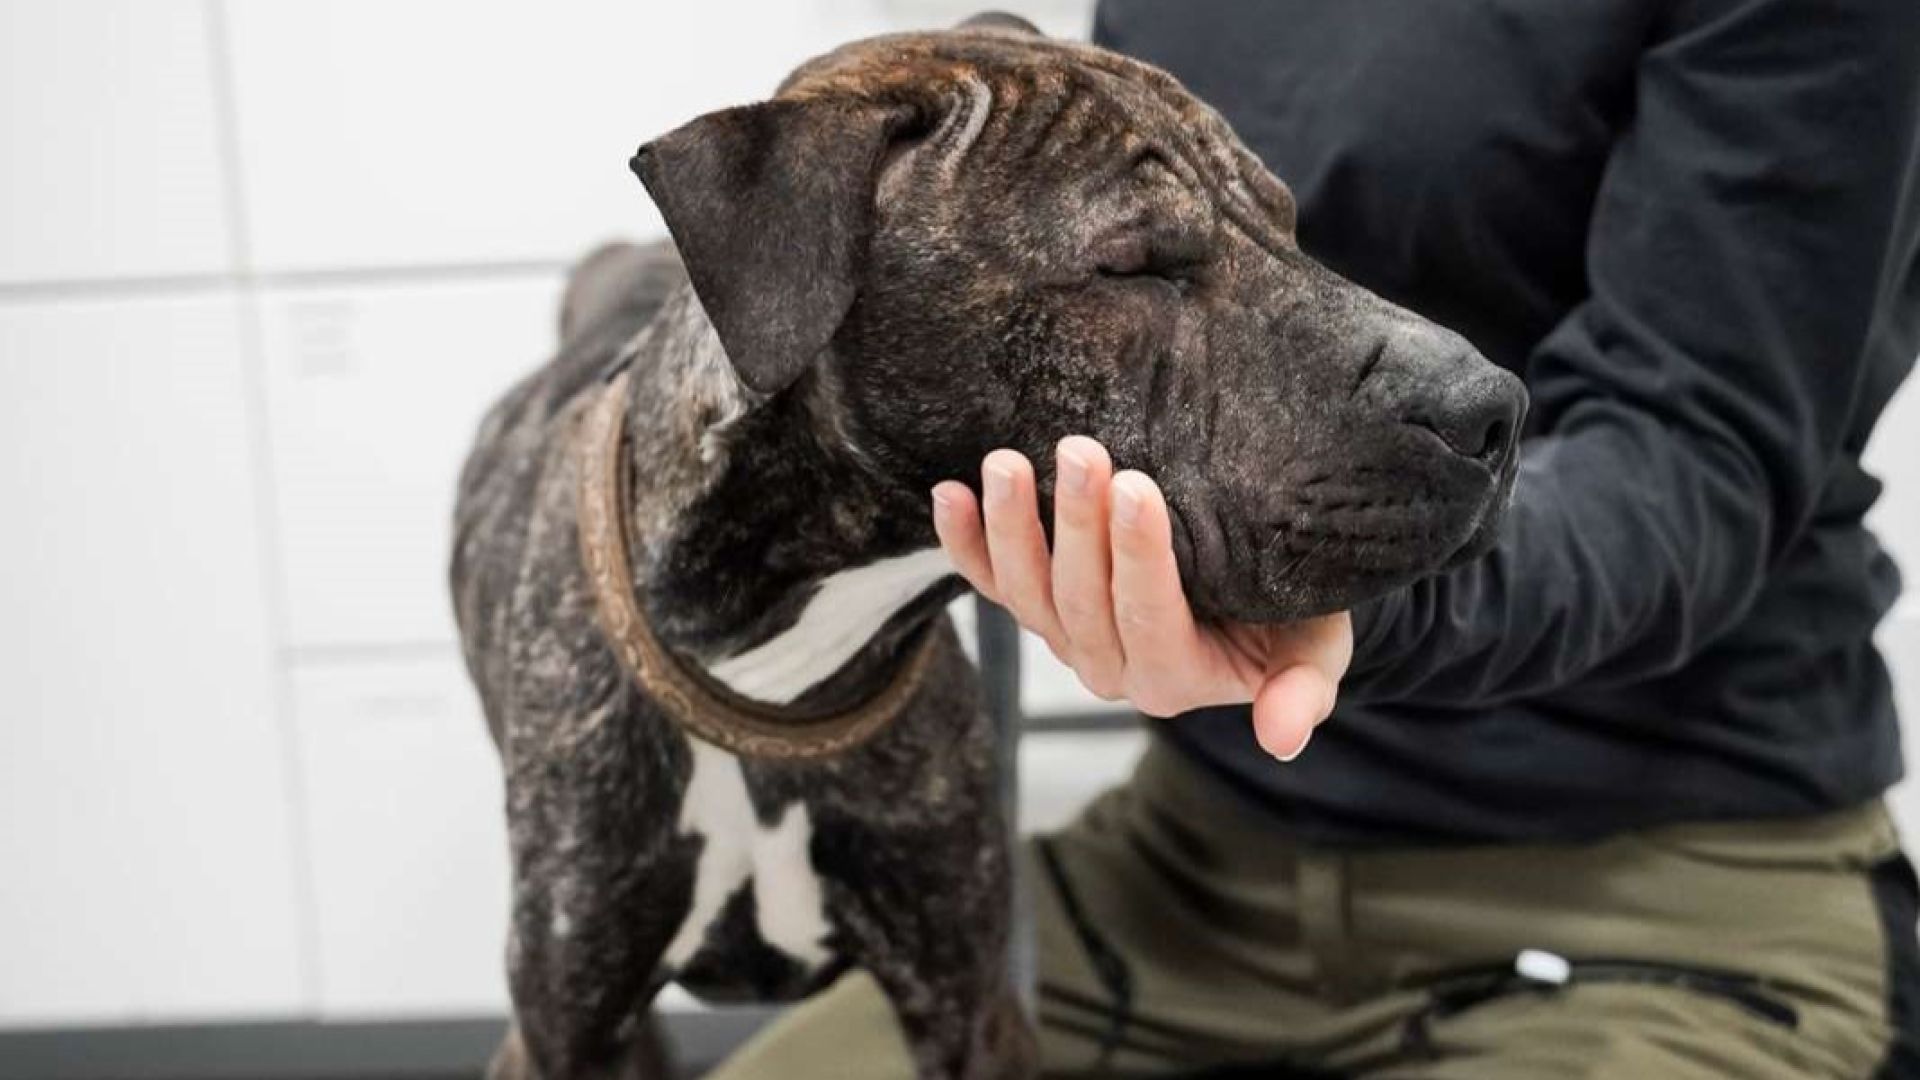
[(983, 238)]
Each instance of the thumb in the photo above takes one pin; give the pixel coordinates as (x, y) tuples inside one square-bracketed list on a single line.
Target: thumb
[(1288, 706)]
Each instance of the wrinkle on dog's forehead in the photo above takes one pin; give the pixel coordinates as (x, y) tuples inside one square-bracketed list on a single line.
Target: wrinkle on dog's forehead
[(1081, 95)]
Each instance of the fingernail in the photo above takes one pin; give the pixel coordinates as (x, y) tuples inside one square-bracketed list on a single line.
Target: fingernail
[(1073, 474), (942, 502), (1126, 504), (999, 481), (1298, 750)]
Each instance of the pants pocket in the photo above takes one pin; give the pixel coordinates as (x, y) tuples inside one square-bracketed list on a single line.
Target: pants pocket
[(1467, 990)]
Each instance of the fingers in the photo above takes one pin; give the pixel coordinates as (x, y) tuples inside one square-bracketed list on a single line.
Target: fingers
[(956, 520), (1332, 637), (1083, 567), (1017, 546), (1291, 704), (1109, 601), (1288, 706), (1065, 595), (1156, 628)]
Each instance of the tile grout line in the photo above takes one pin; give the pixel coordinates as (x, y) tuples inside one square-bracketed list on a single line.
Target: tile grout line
[(419, 272), (377, 652), (342, 277), (245, 289), (116, 288)]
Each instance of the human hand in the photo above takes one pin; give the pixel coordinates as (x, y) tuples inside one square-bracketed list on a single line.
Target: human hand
[(1108, 599)]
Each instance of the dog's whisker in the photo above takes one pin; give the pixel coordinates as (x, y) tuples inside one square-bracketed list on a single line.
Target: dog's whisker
[(1294, 564)]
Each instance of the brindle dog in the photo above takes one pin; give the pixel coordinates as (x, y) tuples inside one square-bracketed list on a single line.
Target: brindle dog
[(924, 247)]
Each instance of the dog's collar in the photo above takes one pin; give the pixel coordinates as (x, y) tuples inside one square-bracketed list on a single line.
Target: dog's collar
[(692, 699)]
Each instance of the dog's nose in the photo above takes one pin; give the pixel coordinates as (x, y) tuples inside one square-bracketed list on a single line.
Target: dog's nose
[(1477, 417), (1473, 405)]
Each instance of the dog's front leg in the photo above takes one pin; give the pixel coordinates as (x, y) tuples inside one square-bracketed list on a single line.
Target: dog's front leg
[(934, 937), (602, 880), (964, 1026), (646, 1059), (583, 967)]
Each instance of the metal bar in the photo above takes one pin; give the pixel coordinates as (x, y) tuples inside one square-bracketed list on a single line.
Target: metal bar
[(998, 638), (1088, 722)]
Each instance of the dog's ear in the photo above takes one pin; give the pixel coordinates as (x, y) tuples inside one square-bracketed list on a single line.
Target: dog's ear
[(1000, 20), (771, 205)]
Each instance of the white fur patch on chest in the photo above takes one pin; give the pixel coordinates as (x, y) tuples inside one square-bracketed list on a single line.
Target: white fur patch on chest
[(790, 911), (841, 616)]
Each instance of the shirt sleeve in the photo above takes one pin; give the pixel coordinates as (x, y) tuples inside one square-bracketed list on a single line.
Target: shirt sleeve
[(1755, 223)]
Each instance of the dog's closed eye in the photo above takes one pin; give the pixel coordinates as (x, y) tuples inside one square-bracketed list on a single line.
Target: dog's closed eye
[(1139, 256)]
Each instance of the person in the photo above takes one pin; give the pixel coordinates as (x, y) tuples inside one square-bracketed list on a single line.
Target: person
[(1607, 802)]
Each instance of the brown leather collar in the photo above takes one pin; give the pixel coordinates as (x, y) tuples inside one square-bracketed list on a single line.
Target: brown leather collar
[(694, 701)]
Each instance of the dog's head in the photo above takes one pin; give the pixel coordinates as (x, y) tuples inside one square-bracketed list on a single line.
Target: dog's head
[(984, 238)]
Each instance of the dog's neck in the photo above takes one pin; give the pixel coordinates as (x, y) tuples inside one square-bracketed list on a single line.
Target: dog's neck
[(770, 554)]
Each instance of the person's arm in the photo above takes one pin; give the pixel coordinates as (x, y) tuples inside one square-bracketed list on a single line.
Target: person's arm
[(1751, 223), (1749, 226)]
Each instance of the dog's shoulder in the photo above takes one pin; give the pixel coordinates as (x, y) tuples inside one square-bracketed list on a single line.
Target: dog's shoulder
[(514, 496)]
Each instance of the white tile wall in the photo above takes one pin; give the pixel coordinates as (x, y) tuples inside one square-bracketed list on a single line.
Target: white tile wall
[(449, 132), (409, 847), (374, 392), (1894, 456), (150, 869), (107, 120)]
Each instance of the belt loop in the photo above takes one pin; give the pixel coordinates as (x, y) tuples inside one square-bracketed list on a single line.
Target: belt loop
[(1325, 922)]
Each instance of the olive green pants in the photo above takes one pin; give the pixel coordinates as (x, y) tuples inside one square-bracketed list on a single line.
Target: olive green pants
[(1180, 932)]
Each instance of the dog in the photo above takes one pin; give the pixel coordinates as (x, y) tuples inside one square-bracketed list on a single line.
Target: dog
[(695, 573)]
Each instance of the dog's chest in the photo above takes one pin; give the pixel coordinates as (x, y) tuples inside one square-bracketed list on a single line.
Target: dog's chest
[(737, 853)]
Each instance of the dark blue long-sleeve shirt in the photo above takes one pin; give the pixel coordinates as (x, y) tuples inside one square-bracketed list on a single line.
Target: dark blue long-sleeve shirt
[(1693, 226)]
